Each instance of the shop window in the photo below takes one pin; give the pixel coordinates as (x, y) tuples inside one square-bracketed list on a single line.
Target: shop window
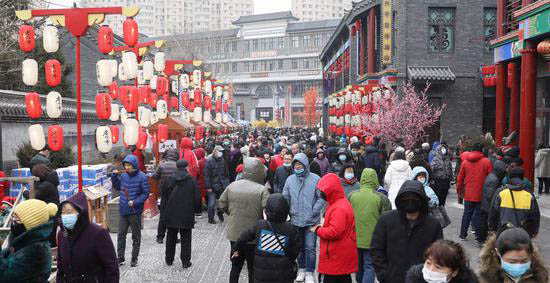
[(489, 27), (441, 29)]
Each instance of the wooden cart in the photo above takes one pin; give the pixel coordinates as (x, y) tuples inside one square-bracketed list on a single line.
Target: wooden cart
[(97, 198)]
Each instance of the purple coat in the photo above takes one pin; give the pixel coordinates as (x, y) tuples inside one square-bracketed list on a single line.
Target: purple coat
[(86, 254)]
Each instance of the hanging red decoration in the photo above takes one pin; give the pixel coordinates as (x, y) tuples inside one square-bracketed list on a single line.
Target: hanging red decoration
[(103, 106), (144, 94), (114, 133), (113, 90), (353, 30), (33, 105), (225, 107), (105, 39), (55, 137), (153, 99), (162, 86), (162, 132), (166, 97), (130, 30), (142, 140), (358, 24), (185, 99), (26, 38), (199, 132), (207, 103), (218, 105), (197, 97), (53, 72), (174, 103), (129, 96)]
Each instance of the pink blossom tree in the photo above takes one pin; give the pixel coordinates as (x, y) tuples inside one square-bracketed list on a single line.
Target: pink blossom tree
[(403, 118)]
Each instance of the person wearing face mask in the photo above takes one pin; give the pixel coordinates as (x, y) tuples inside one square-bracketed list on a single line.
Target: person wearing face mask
[(396, 174), (282, 173), (442, 169), (305, 200), (321, 160), (358, 161), (511, 257), (134, 191), (402, 236), (27, 257), (444, 262), (216, 179), (86, 252), (420, 174), (343, 157), (186, 152), (348, 179)]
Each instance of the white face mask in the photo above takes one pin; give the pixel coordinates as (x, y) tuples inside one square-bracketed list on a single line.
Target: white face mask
[(434, 276), (421, 180), (444, 151), (219, 154)]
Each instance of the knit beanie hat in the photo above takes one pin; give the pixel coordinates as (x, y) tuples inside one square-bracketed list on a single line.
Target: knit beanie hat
[(34, 212)]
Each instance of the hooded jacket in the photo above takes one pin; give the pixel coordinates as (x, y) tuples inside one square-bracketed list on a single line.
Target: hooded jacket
[(372, 158), (473, 171), (39, 159), (46, 188), (300, 191), (28, 256), (442, 167), (397, 243), (521, 209), (279, 179), (199, 153), (492, 183), (338, 249), (434, 201), (324, 164), (87, 253), (186, 152), (368, 205), (336, 166), (271, 261), (396, 174), (490, 270), (167, 167), (542, 163), (183, 200), (216, 174), (433, 152), (133, 187), (244, 200), (415, 275)]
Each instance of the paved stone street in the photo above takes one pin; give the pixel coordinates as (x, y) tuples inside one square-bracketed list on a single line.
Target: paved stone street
[(210, 250)]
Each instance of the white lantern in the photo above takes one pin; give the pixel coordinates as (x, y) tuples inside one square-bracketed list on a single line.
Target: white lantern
[(113, 66), (175, 87), (162, 109), (36, 136), (54, 104), (129, 60), (160, 62), (115, 112), (144, 116), (103, 72), (186, 116), (219, 92), (225, 96), (184, 81), (30, 72), (218, 117), (50, 39), (141, 77), (348, 96), (207, 117), (154, 117), (197, 78), (348, 119), (148, 70), (208, 87), (197, 114), (121, 75), (104, 139), (131, 131), (123, 115), (225, 118)]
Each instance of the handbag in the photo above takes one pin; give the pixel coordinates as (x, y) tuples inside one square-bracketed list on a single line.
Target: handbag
[(440, 214), (292, 262)]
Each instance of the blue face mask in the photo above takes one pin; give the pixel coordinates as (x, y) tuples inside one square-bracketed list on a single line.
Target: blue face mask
[(69, 220), (349, 176), (299, 172), (515, 270), (342, 157)]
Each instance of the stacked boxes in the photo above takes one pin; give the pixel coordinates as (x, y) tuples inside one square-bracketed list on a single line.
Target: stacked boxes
[(17, 187)]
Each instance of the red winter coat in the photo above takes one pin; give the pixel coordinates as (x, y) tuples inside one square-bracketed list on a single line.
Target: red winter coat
[(139, 156), (4, 186), (473, 171), (186, 152), (199, 153), (338, 251), (278, 161)]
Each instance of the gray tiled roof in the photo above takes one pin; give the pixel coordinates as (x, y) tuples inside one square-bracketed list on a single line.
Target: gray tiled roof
[(433, 73), (316, 25), (265, 17)]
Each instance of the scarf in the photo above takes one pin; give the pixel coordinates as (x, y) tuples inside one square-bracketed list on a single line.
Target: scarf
[(350, 182)]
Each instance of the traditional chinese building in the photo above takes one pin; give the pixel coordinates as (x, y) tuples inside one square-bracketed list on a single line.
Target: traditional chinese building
[(441, 42)]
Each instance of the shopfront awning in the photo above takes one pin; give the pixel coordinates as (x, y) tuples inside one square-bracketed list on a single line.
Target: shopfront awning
[(431, 73)]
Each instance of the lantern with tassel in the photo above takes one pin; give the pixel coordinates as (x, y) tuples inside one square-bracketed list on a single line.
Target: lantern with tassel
[(142, 140), (103, 139), (55, 137), (105, 38), (113, 90), (130, 30), (162, 132), (144, 93), (54, 104), (131, 131), (103, 106), (50, 39), (115, 112), (26, 38), (114, 133), (33, 105), (36, 137), (30, 72), (129, 96), (197, 97), (53, 72)]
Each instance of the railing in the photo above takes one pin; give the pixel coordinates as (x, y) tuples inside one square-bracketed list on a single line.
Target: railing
[(511, 23)]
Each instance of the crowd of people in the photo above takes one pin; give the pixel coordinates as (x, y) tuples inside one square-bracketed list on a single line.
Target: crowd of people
[(378, 211)]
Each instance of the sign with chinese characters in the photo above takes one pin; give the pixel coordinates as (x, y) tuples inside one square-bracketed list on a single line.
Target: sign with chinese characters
[(387, 30), (163, 147)]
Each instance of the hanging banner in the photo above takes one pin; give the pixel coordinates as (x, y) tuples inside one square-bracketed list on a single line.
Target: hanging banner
[(387, 32), (167, 145)]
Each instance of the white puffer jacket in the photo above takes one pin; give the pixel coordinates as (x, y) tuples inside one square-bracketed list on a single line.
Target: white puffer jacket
[(396, 174)]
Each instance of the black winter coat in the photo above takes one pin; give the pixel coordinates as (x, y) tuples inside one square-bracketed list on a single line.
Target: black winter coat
[(395, 246), (281, 174), (46, 189), (415, 276), (492, 183), (183, 200), (216, 174), (372, 158)]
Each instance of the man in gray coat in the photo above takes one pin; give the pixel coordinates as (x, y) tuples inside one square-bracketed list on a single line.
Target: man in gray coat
[(244, 201), (166, 168), (305, 211)]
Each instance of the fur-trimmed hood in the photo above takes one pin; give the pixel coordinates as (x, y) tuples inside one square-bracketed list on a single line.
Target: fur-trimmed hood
[(490, 270)]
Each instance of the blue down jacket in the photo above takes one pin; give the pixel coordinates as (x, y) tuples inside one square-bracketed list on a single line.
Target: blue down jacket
[(137, 186)]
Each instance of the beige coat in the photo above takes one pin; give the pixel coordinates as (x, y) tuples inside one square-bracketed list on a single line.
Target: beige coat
[(542, 163)]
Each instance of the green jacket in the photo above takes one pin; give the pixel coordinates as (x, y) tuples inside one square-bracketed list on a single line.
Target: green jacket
[(28, 257), (368, 205)]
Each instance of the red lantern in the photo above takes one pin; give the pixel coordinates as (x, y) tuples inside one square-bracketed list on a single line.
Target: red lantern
[(114, 133), (105, 39), (353, 30), (26, 38), (162, 86), (174, 103), (129, 95), (113, 90), (225, 107), (32, 102), (142, 140), (207, 103), (130, 30), (162, 132), (153, 99), (347, 131), (55, 137), (53, 72), (103, 106), (197, 97), (358, 24), (199, 133), (144, 93), (185, 99), (218, 105)]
